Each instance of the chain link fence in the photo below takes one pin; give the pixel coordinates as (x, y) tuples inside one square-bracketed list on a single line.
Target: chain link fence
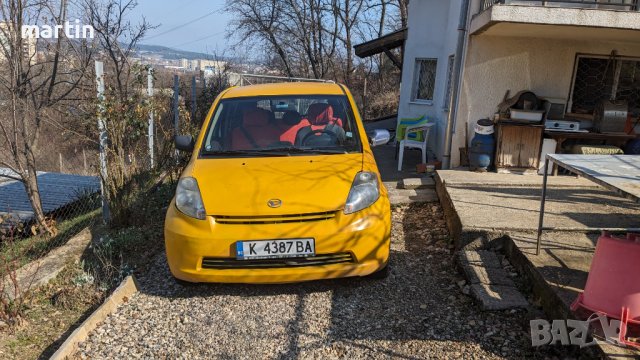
[(70, 184), (70, 201)]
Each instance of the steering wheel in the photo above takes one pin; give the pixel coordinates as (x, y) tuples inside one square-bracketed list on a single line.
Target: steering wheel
[(332, 135)]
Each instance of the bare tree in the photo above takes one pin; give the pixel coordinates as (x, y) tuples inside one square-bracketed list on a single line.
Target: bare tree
[(301, 33), (348, 14), (315, 38), (38, 77), (403, 11), (258, 20), (307, 23)]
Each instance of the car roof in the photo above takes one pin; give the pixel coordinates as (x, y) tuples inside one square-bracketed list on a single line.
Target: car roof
[(289, 88)]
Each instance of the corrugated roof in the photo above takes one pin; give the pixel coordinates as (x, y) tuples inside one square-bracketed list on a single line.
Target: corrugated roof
[(56, 191)]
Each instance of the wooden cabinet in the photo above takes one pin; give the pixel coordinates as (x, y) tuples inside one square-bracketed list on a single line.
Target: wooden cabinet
[(518, 147)]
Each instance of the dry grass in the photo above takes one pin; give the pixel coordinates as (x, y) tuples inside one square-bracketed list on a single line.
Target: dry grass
[(55, 310)]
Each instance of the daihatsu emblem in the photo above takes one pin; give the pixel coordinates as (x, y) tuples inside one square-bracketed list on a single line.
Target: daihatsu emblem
[(274, 203)]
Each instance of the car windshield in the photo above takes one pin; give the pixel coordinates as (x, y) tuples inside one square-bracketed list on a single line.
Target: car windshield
[(282, 126)]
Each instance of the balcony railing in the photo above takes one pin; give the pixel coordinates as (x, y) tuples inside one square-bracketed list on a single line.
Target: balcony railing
[(628, 5)]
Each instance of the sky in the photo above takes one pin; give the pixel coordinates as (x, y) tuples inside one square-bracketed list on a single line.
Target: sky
[(193, 25)]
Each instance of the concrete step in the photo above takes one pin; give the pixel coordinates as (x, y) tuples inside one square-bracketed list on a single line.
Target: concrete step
[(490, 284), (401, 196), (417, 183)]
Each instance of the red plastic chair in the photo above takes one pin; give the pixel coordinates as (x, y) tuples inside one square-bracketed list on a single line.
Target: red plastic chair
[(613, 285)]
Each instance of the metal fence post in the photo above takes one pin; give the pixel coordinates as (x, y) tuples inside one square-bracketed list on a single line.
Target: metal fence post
[(176, 109), (151, 125), (176, 105), (193, 98), (106, 215)]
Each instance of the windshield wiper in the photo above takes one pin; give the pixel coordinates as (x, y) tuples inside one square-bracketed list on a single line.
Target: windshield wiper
[(235, 152), (279, 151), (296, 150)]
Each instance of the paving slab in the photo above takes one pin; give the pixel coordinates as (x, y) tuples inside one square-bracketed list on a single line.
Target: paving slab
[(484, 258), (498, 297), (418, 183), (405, 196), (477, 274)]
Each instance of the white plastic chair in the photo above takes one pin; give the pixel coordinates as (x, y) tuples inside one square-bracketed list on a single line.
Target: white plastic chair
[(413, 144)]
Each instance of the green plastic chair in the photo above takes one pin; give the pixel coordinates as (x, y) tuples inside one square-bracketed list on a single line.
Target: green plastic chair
[(407, 122)]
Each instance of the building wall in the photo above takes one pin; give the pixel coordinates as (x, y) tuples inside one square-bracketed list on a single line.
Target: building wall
[(28, 44), (495, 64), (432, 33)]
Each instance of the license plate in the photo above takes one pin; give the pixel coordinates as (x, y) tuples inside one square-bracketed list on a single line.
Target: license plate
[(271, 249)]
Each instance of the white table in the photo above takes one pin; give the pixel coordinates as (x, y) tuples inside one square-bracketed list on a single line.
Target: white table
[(619, 173)]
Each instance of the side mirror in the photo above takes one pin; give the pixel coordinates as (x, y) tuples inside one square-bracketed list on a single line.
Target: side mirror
[(378, 137), (184, 143)]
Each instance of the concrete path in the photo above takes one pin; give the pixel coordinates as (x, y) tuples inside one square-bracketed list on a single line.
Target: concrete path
[(41, 271), (388, 164), (512, 202)]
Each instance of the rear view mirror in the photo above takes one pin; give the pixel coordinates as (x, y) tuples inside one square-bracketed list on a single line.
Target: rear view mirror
[(378, 137), (184, 143)]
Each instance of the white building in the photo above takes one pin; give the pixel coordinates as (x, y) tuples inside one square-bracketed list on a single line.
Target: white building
[(28, 43), (566, 50)]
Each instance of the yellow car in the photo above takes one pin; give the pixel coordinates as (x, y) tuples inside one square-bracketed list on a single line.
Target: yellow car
[(282, 186)]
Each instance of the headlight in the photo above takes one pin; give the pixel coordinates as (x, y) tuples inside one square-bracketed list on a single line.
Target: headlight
[(188, 199), (364, 192)]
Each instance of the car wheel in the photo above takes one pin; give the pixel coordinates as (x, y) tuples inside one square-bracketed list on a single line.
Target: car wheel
[(381, 274)]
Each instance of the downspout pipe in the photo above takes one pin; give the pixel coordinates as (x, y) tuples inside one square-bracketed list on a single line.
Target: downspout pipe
[(456, 81)]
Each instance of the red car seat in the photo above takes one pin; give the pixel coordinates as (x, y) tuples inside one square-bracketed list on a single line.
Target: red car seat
[(256, 131), (320, 117), (290, 124), (322, 114)]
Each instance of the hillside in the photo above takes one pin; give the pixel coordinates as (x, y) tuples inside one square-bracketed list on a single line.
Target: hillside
[(170, 54)]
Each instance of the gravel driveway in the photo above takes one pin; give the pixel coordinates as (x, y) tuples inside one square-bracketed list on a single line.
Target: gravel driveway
[(418, 312)]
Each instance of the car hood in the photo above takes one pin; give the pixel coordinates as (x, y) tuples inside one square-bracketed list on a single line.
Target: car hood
[(303, 184)]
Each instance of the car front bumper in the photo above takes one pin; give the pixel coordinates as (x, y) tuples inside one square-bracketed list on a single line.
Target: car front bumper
[(365, 235)]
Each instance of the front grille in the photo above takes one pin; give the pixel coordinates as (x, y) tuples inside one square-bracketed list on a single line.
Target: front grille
[(274, 219), (229, 263)]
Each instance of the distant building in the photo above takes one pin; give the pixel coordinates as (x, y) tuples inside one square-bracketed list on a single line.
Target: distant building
[(202, 65), (187, 64), (28, 44), (211, 64)]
